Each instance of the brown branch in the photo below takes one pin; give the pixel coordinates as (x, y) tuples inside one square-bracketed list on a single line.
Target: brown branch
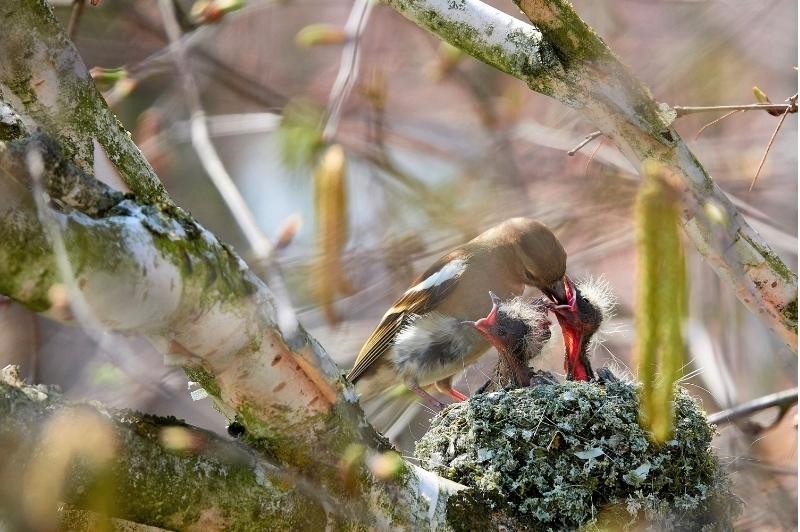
[(790, 107), (783, 400), (715, 121), (586, 140), (775, 109), (793, 102), (75, 18)]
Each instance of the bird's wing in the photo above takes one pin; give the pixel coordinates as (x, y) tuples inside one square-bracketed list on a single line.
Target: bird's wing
[(430, 289)]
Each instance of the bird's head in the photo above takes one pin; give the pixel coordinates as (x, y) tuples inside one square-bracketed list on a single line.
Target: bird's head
[(580, 313), (542, 259), (518, 329)]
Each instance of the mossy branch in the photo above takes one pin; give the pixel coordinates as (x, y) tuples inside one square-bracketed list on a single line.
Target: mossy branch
[(142, 468), (198, 303), (562, 57), (44, 78)]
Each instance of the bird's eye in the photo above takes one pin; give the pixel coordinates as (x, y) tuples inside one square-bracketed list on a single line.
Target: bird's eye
[(500, 331)]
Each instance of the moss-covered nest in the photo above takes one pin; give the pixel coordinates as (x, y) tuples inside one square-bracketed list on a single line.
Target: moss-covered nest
[(567, 455)]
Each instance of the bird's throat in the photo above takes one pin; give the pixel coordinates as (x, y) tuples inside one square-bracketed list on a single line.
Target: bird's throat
[(573, 361)]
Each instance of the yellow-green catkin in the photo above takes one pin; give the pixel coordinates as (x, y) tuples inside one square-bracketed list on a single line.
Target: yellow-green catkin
[(661, 305), (331, 213)]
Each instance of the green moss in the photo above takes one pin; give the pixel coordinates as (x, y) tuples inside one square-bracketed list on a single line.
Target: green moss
[(204, 379), (789, 313), (775, 262), (35, 40), (26, 268), (572, 40), (555, 456), (213, 481)]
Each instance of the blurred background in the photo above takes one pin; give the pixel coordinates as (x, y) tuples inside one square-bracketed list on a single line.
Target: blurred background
[(435, 148)]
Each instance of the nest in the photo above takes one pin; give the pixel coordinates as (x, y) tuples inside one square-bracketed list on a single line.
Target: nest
[(567, 455)]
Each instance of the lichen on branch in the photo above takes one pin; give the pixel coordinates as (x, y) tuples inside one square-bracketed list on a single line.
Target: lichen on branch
[(150, 269), (143, 468)]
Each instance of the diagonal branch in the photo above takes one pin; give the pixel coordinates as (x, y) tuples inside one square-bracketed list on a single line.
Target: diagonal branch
[(152, 270), (562, 57), (51, 88)]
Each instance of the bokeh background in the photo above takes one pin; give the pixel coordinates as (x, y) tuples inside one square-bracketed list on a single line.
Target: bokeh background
[(438, 147)]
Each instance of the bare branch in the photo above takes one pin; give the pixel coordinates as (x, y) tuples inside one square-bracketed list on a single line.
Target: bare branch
[(782, 400), (75, 18), (586, 140), (348, 67), (771, 141), (715, 121), (202, 144), (775, 107)]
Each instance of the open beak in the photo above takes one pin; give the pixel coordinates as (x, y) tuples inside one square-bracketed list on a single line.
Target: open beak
[(484, 325), (566, 310)]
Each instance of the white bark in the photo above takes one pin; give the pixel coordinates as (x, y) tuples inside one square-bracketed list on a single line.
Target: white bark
[(143, 266)]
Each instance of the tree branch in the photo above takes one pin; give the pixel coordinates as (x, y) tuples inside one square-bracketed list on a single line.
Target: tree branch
[(562, 57), (775, 107), (50, 87), (197, 302), (783, 400), (196, 477)]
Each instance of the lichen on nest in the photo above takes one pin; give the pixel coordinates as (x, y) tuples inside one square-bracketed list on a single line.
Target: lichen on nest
[(558, 456)]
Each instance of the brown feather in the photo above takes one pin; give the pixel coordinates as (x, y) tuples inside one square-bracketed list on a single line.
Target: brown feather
[(409, 304)]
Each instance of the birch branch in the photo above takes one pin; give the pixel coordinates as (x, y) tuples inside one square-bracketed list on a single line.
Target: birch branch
[(198, 478), (782, 400), (560, 56), (143, 266), (152, 270), (50, 87)]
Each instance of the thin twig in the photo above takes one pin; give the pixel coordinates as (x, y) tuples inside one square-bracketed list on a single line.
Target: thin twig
[(586, 140), (715, 121), (260, 246), (783, 400), (591, 156), (201, 141), (793, 102), (348, 67), (75, 18), (790, 107)]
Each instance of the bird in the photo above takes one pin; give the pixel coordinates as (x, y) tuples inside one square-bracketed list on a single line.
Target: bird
[(588, 304), (420, 342), (518, 328)]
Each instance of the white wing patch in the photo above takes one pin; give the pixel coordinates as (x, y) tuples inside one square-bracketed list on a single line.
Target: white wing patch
[(451, 270)]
